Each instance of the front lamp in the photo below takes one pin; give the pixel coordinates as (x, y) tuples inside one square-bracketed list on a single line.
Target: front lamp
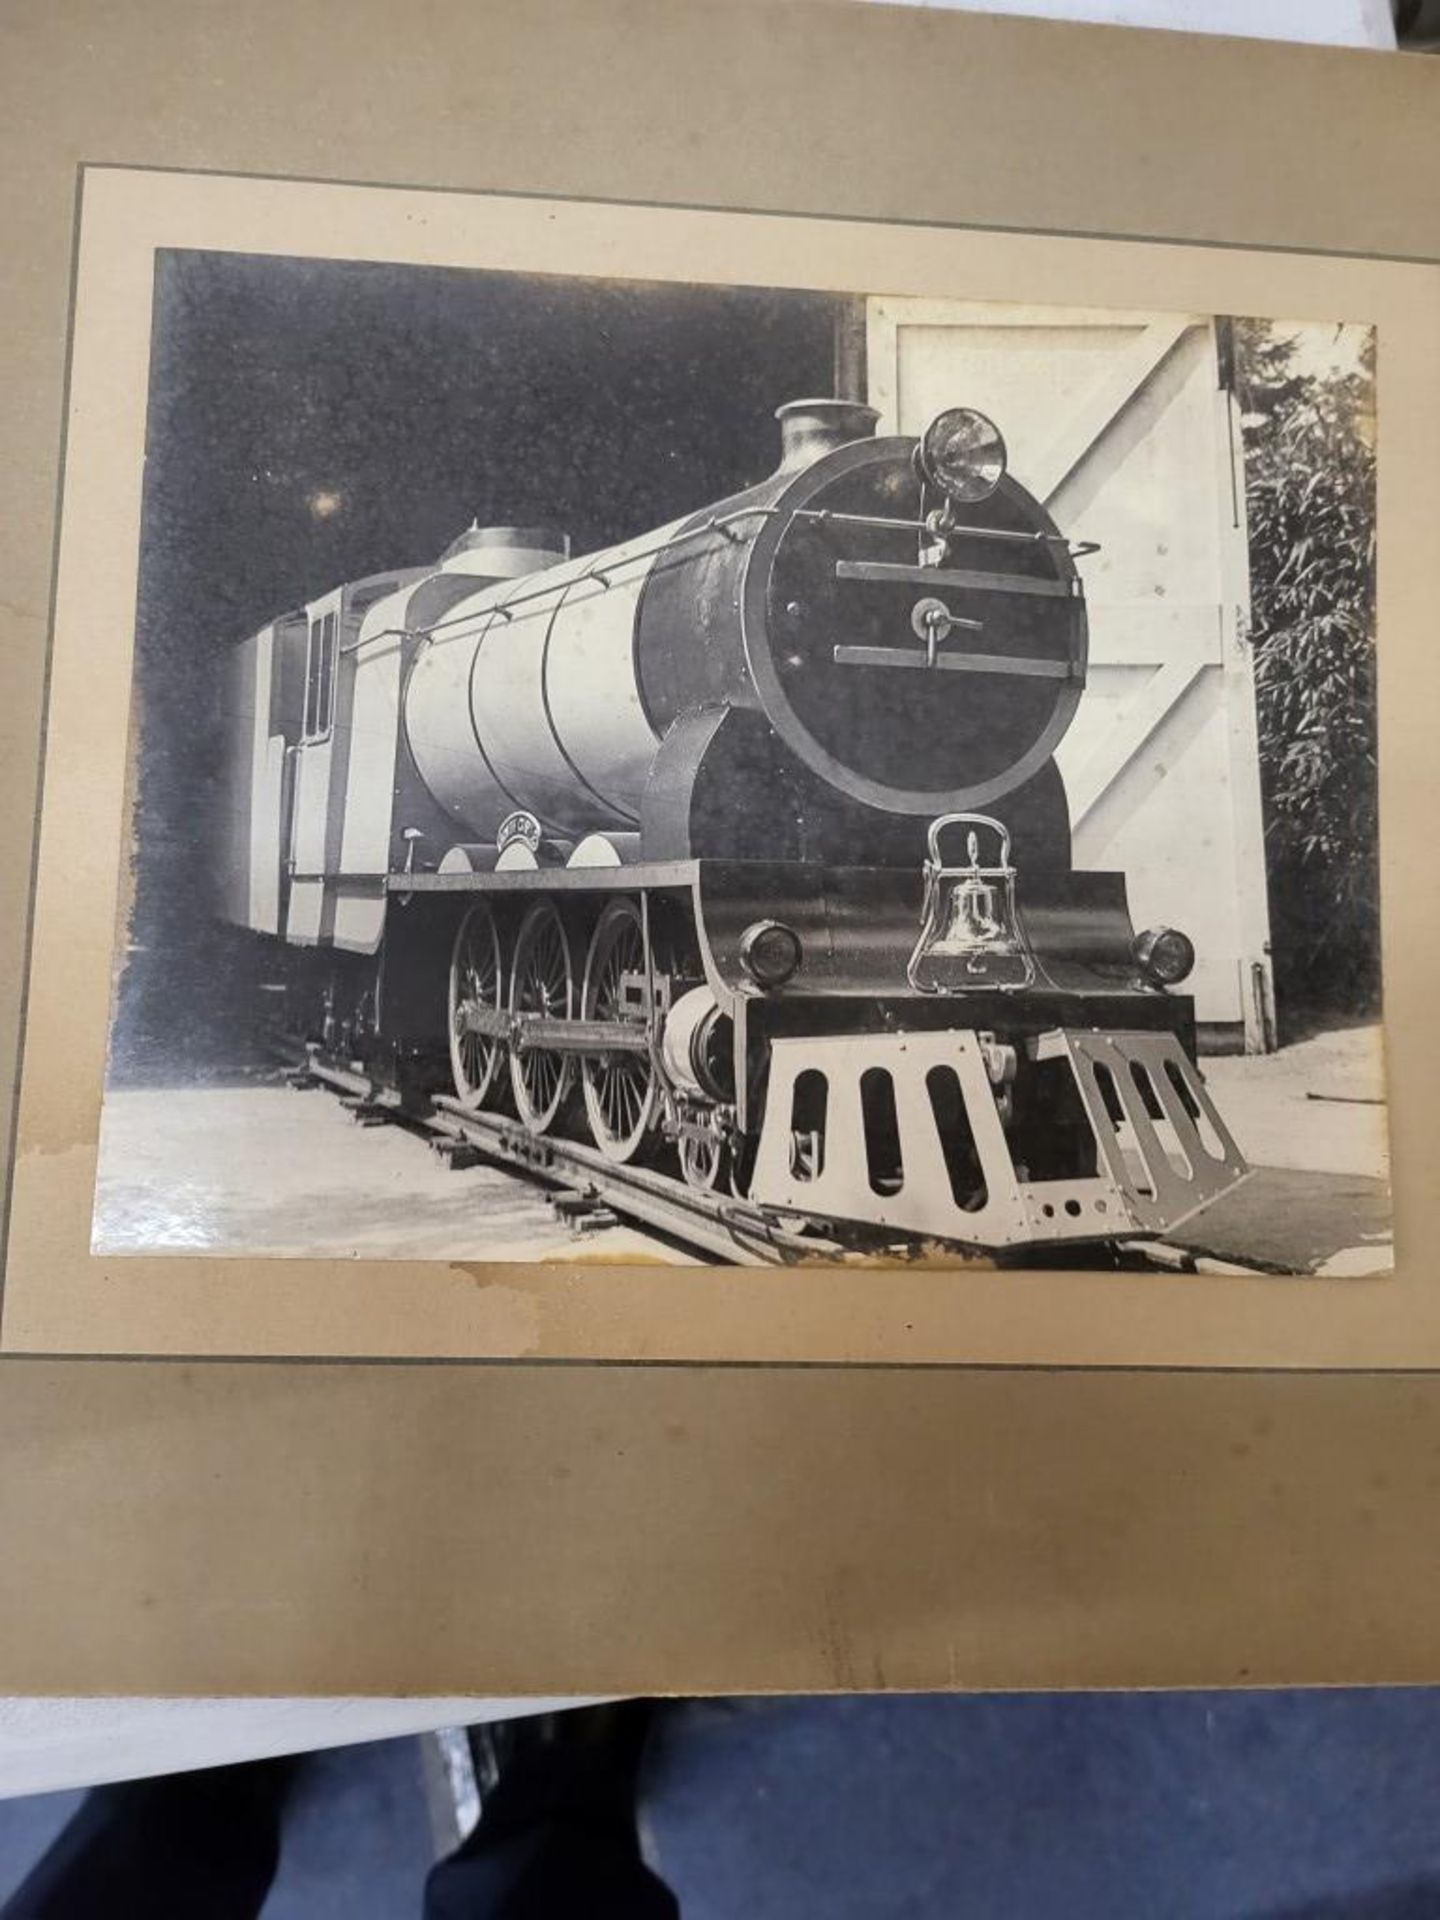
[(1165, 956), (963, 454), (770, 952)]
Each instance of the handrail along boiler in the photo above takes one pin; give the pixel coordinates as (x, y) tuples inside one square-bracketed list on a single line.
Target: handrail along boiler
[(741, 842)]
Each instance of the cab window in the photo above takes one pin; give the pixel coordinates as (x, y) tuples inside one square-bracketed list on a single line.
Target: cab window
[(320, 678)]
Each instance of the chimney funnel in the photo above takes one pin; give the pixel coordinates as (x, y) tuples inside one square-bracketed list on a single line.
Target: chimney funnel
[(810, 428)]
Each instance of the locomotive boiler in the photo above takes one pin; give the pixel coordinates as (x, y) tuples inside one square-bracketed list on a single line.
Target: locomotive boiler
[(740, 844)]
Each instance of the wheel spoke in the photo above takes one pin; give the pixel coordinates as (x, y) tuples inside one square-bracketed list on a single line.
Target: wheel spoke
[(474, 987), (620, 1088), (541, 986)]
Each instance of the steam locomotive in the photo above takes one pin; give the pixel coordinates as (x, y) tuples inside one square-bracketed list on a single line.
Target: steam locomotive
[(740, 844)]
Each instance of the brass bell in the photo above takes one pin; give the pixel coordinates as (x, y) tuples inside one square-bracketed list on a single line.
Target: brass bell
[(969, 937), (973, 917)]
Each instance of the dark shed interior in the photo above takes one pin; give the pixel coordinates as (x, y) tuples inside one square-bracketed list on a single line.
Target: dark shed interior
[(312, 421)]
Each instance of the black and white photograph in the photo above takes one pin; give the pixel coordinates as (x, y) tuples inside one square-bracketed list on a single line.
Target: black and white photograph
[(627, 770)]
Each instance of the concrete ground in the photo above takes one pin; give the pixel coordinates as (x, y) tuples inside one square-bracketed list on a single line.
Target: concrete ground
[(254, 1167), (258, 1168), (1311, 1119), (1317, 1107)]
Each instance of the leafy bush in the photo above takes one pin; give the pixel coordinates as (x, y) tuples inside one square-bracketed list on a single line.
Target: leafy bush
[(1310, 494)]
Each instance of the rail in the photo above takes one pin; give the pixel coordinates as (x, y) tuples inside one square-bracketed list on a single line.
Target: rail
[(729, 1230)]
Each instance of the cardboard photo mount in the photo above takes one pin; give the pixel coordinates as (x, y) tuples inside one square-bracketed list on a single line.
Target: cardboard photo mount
[(196, 1526), (60, 1296)]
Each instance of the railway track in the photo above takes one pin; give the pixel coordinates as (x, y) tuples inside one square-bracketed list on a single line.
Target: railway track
[(593, 1192), (585, 1186)]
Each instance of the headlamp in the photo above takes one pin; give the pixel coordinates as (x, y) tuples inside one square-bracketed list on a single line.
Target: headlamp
[(1164, 955), (769, 952), (962, 453)]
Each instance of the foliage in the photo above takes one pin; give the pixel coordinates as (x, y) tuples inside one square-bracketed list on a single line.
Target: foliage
[(1310, 497)]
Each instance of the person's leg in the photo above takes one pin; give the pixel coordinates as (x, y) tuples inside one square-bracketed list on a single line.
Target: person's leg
[(556, 1838), (203, 1844)]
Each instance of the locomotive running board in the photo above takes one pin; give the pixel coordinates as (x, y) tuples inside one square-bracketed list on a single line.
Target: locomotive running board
[(1162, 1150)]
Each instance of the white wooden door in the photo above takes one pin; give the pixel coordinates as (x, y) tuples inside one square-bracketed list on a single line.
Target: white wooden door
[(1119, 423)]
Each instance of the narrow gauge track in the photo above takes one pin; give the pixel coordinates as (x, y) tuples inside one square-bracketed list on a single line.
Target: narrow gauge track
[(720, 1227), (717, 1225)]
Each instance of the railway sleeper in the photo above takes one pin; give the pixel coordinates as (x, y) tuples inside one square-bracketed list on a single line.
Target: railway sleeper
[(458, 1155)]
